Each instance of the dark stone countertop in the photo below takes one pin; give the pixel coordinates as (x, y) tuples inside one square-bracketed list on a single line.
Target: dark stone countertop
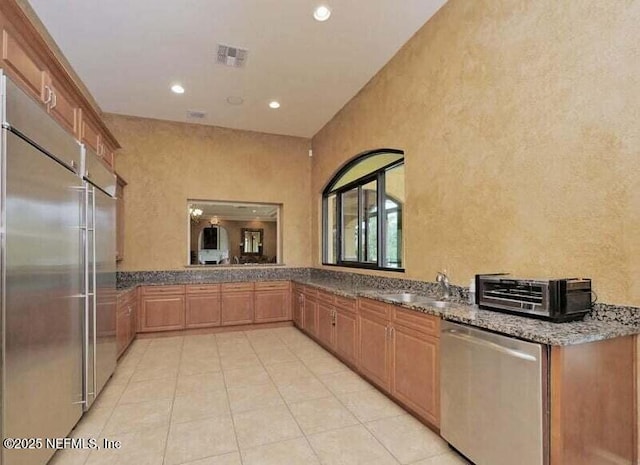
[(530, 329), (545, 332)]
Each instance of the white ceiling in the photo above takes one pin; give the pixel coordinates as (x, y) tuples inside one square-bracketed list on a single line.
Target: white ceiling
[(129, 52)]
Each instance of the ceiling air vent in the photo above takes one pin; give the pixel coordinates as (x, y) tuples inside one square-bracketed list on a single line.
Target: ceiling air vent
[(195, 114), (231, 56)]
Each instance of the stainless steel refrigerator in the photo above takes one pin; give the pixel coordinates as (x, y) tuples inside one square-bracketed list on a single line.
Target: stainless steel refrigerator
[(57, 276), (100, 349), (41, 276)]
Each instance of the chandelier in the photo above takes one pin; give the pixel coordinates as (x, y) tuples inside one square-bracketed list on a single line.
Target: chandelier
[(195, 213)]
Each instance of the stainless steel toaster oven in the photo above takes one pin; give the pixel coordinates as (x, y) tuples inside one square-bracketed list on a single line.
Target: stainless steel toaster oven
[(556, 300)]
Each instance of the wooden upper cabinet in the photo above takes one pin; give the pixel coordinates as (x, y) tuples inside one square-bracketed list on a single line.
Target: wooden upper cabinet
[(90, 135), (25, 57), (120, 185), (22, 65), (62, 107)]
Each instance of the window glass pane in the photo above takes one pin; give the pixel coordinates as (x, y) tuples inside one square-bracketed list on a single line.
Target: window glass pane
[(369, 221), (394, 202), (331, 229), (366, 166), (350, 225)]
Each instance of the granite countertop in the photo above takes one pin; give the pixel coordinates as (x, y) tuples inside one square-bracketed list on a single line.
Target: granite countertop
[(530, 329), (545, 332)]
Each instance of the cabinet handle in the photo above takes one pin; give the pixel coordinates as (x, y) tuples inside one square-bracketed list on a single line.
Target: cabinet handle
[(129, 309), (54, 100), (48, 94)]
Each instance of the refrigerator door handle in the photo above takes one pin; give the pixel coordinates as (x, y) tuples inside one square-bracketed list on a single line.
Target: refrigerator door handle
[(94, 289)]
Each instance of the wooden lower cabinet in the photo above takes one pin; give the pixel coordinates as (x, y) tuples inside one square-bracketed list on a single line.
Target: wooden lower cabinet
[(346, 337), (126, 323), (310, 315), (593, 403), (374, 349), (399, 351), (237, 304), (415, 377), (161, 308), (297, 307), (203, 310), (272, 302), (326, 329)]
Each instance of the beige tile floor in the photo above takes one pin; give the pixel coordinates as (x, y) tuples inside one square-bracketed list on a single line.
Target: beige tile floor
[(262, 397)]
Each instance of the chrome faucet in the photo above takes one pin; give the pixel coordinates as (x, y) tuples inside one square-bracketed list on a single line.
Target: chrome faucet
[(443, 280)]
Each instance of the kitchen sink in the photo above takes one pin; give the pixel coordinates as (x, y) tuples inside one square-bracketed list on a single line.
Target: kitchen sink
[(410, 298)]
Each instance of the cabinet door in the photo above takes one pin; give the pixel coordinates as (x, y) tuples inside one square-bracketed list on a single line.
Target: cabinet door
[(162, 313), (310, 314), (373, 349), (90, 135), (203, 310), (120, 218), (416, 373), (298, 306), (133, 318), (28, 73), (64, 110), (326, 328), (346, 335), (237, 308), (123, 328), (272, 305)]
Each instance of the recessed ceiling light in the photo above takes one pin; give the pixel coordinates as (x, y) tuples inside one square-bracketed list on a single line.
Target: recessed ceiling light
[(177, 89), (274, 104), (235, 100), (321, 13)]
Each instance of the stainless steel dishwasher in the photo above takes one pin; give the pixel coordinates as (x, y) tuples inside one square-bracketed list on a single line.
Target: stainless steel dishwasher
[(493, 396)]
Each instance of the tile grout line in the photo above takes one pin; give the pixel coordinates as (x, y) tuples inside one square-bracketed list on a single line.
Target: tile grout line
[(166, 442), (315, 454), (99, 433), (347, 408), (226, 390)]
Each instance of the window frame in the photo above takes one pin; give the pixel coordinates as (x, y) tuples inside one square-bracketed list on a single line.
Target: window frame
[(381, 222)]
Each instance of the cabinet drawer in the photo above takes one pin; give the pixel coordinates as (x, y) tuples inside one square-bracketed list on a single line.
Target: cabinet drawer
[(344, 303), (162, 290), (428, 324), (202, 288), (326, 297), (242, 287), (298, 287), (310, 292), (379, 309), (272, 285)]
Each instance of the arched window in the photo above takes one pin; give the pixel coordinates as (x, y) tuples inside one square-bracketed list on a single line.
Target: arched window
[(362, 212)]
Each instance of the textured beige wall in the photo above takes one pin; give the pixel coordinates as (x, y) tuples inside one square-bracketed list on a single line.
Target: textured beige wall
[(520, 123), (167, 163)]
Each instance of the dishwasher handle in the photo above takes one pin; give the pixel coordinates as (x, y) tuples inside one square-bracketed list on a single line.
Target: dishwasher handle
[(491, 345)]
